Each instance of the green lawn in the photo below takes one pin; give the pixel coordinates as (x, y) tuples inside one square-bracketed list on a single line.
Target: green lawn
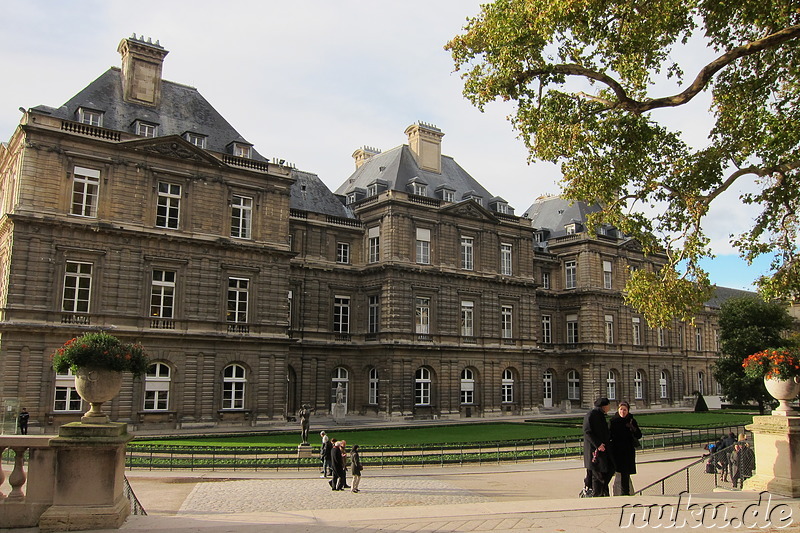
[(675, 420)]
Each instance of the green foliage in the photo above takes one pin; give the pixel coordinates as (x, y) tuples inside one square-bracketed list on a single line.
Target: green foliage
[(99, 350), (581, 74)]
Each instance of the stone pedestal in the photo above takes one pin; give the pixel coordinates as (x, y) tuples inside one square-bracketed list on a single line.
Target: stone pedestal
[(339, 412), (89, 486), (305, 450), (776, 440)]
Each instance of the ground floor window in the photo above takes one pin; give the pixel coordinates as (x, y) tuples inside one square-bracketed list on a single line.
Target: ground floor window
[(422, 387)]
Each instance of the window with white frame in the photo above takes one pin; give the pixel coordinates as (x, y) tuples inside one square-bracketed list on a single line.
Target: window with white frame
[(374, 244), (507, 386), (506, 321), (85, 189), (422, 386), (146, 129), (505, 259), (607, 274), (547, 386), (423, 316), (609, 329), (373, 386), (572, 329), (545, 280), (242, 150), (341, 377), (502, 208), (90, 117), (168, 207), (547, 329), (701, 386), (636, 330), (343, 252), (662, 383), (234, 381), (372, 189), (77, 287), (196, 139), (698, 338), (341, 314), (448, 195), (467, 318), (570, 274), (241, 217), (467, 253), (374, 314), (238, 292), (611, 385), (662, 337), (573, 385), (423, 246), (156, 387), (420, 189), (638, 385), (162, 293), (66, 396), (467, 386), (716, 340), (571, 229)]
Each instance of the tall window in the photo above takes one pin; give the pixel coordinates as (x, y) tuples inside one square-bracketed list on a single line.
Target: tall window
[(66, 396), (662, 337), (611, 385), (241, 217), (572, 329), (609, 329), (162, 294), (637, 331), (343, 252), (77, 287), (505, 259), (374, 244), (507, 386), (467, 319), (422, 387), (698, 338), (573, 385), (701, 383), (467, 251), (156, 387), (341, 314), (169, 205), (547, 329), (638, 385), (237, 299), (423, 246), (423, 315), (607, 274), (662, 382), (570, 274), (547, 388), (506, 322), (680, 336), (545, 280), (467, 386), (373, 386), (374, 314), (339, 377), (85, 187), (233, 386)]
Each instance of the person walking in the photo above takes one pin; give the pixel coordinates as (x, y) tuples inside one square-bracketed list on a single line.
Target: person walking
[(625, 434), (596, 447), (335, 460), (356, 467), (22, 421), (325, 455)]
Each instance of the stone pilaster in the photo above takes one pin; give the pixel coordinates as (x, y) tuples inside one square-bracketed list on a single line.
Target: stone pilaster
[(777, 449)]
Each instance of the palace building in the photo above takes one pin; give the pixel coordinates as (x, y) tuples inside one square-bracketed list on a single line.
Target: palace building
[(136, 209)]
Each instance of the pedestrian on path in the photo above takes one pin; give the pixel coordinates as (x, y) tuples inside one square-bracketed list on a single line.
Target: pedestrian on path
[(596, 447), (325, 455), (625, 435), (355, 461), (24, 416)]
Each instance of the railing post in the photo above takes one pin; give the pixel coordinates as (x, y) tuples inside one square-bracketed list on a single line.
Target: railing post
[(18, 477), (2, 472)]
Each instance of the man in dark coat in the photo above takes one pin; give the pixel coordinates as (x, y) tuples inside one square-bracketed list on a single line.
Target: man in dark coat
[(596, 447), (625, 433), (337, 481)]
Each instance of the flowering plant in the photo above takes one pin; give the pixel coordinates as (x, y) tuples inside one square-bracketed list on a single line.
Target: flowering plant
[(773, 363), (100, 350)]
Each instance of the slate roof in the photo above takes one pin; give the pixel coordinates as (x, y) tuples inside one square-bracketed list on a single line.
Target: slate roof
[(554, 212), (182, 108), (310, 194), (723, 294)]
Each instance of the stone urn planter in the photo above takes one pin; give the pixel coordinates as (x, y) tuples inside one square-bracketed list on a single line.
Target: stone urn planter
[(785, 391), (97, 386)]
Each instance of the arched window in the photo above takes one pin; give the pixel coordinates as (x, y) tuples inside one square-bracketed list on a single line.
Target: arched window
[(662, 383), (66, 397), (467, 386), (507, 386), (547, 388), (573, 385), (341, 377), (373, 386), (422, 387), (233, 385), (611, 385), (638, 385), (156, 387), (701, 386)]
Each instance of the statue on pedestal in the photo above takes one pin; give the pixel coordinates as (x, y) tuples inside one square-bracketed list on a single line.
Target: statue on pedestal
[(304, 415)]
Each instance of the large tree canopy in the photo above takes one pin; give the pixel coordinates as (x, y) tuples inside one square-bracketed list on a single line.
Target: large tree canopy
[(581, 73)]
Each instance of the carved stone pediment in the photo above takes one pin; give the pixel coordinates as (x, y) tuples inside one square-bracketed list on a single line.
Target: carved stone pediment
[(470, 209), (174, 147)]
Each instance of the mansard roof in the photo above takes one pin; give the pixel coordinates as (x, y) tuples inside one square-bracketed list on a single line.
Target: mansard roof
[(308, 193), (723, 294), (553, 213)]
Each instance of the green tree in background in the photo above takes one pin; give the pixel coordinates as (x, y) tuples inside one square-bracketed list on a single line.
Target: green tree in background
[(746, 326), (581, 74)]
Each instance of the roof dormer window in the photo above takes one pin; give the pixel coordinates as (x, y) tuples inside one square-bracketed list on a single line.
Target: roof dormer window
[(418, 187), (571, 229), (91, 117), (446, 193), (470, 195), (372, 189), (502, 208), (242, 150), (196, 139), (145, 129)]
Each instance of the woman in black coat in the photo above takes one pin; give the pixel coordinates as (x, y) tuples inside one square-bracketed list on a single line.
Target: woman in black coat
[(596, 447), (624, 433)]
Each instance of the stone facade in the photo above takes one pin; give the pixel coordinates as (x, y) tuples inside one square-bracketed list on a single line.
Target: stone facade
[(135, 208)]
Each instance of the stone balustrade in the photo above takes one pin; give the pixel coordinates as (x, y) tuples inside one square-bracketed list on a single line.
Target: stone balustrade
[(32, 485)]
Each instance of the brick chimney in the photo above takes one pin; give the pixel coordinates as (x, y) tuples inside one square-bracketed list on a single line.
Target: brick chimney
[(363, 154), (425, 141), (141, 70)]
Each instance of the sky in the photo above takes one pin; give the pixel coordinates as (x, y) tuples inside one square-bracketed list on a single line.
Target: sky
[(310, 81)]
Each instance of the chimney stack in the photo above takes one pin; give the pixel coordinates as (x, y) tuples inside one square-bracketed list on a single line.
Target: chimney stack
[(425, 141), (363, 154), (141, 70)]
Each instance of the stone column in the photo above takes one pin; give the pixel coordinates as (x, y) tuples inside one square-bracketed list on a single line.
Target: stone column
[(776, 440), (89, 486)]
